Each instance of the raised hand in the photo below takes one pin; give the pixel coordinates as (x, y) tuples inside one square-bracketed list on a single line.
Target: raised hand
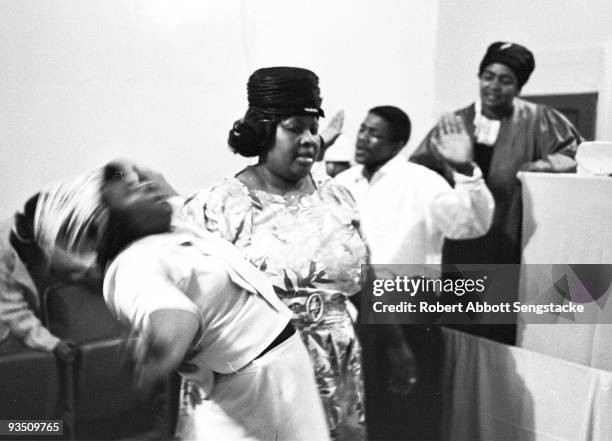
[(455, 145), (333, 129)]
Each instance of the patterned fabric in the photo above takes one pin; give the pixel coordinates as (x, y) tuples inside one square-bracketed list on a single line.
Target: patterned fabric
[(312, 249)]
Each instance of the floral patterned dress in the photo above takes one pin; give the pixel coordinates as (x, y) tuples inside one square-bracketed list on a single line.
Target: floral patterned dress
[(312, 249)]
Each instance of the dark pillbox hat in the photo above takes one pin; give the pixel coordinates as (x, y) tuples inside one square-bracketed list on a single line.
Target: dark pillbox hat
[(285, 91)]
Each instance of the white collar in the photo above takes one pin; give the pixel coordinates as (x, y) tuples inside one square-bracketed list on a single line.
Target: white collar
[(390, 167), (485, 130)]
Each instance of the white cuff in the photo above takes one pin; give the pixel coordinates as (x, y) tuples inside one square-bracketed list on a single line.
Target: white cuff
[(460, 178)]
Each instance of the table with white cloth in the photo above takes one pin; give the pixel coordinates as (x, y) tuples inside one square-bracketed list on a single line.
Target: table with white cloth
[(557, 385), (567, 219), (496, 392)]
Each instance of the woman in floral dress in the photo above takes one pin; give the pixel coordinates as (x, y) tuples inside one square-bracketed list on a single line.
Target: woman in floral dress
[(302, 231)]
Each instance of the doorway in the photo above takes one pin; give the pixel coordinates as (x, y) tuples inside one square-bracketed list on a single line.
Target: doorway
[(579, 108)]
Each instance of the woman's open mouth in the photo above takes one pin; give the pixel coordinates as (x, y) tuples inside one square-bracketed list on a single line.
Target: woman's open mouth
[(491, 97), (305, 159)]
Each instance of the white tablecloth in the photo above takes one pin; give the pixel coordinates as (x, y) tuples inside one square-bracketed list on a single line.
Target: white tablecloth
[(567, 219), (494, 392)]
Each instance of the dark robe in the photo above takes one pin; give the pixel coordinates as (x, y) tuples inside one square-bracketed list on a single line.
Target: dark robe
[(529, 133)]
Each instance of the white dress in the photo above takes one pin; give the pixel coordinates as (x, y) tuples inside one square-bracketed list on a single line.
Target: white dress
[(229, 393)]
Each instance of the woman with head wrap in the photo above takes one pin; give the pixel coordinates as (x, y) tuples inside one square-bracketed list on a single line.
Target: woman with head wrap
[(198, 306), (507, 134), (302, 231)]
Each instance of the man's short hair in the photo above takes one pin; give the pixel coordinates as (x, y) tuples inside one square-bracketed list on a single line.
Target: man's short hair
[(397, 119)]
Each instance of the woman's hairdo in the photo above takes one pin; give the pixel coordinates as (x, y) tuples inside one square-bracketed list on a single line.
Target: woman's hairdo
[(274, 93), (251, 135)]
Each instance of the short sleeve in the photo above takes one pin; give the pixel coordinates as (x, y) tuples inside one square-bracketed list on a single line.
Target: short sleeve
[(344, 207), (341, 194), (224, 209), (136, 284), (340, 198)]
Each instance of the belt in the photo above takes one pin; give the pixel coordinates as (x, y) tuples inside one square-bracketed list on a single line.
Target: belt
[(284, 335)]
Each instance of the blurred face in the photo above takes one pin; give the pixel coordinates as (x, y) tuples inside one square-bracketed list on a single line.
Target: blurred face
[(374, 145), (498, 88), (142, 207), (295, 148), (332, 168)]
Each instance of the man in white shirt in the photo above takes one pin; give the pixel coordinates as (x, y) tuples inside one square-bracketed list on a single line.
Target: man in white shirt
[(406, 209)]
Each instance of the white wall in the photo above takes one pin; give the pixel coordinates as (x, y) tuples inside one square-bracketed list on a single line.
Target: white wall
[(571, 41), (161, 81)]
